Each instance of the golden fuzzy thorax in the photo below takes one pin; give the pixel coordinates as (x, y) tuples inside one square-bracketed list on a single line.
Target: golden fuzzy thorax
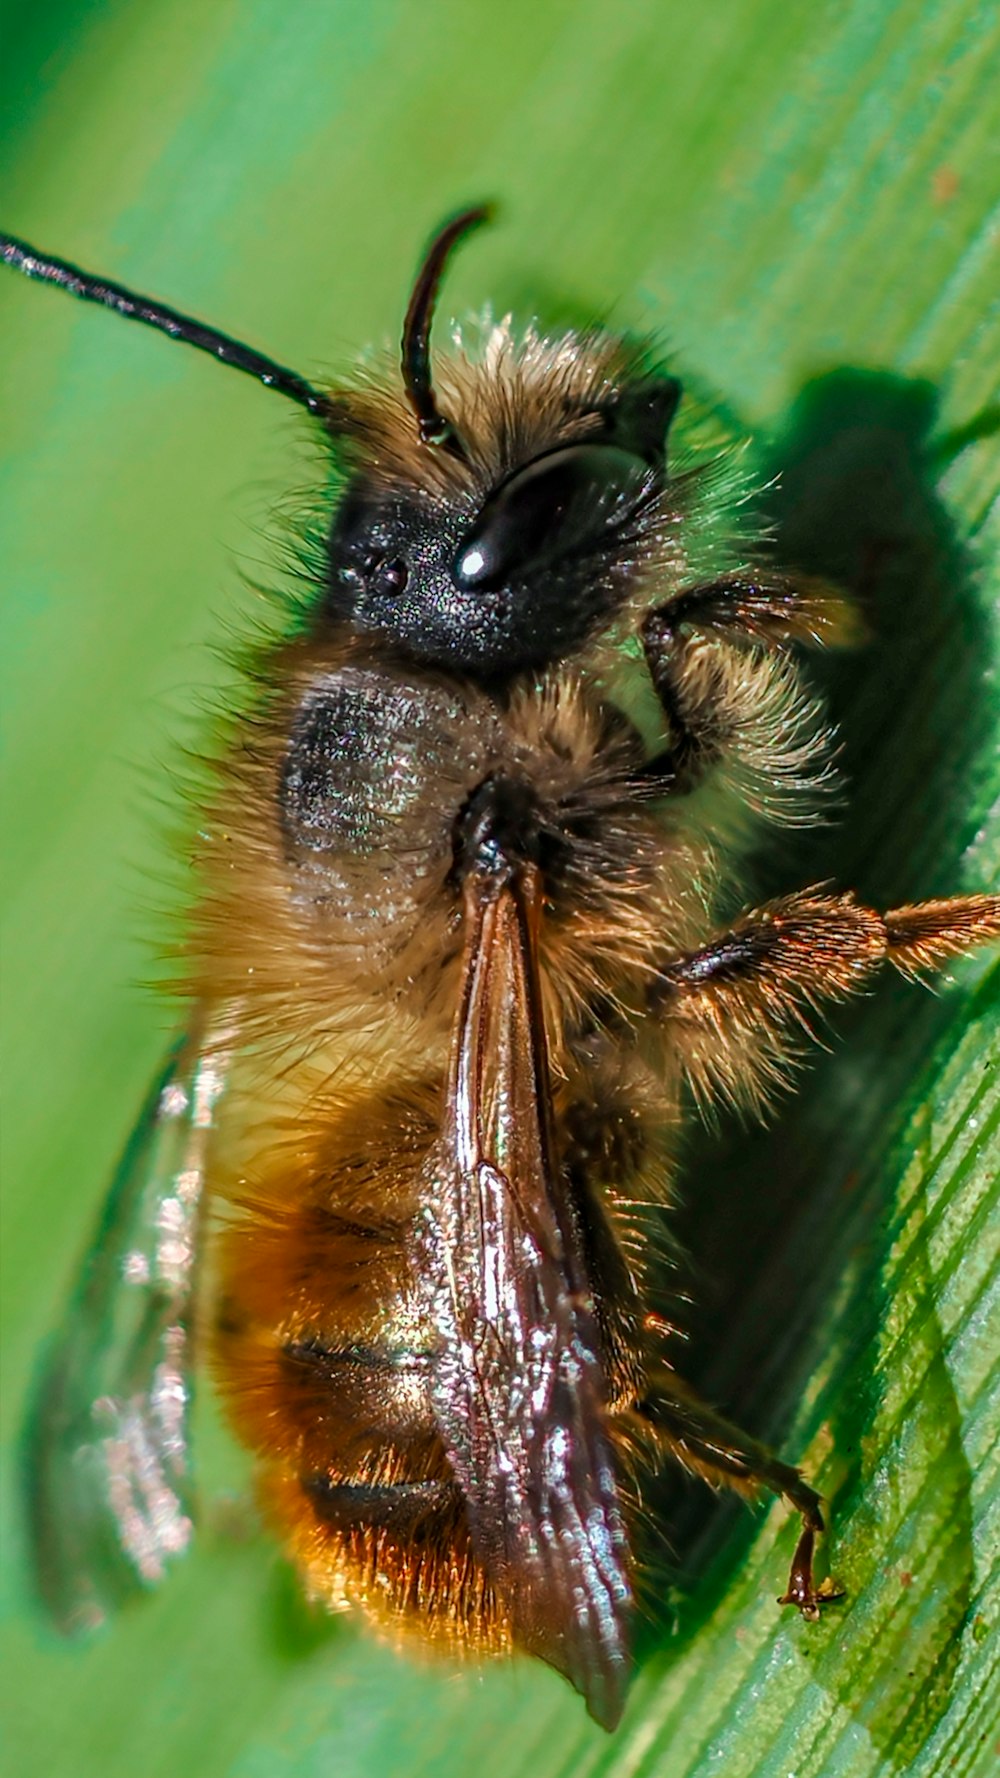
[(341, 962)]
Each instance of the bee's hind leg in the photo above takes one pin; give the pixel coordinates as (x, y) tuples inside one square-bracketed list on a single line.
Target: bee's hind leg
[(708, 1445), (801, 1589)]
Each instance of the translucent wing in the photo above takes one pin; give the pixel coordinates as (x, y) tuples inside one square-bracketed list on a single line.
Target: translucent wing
[(519, 1385), (108, 1433)]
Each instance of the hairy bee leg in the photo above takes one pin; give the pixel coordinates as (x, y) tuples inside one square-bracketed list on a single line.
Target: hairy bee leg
[(725, 1457), (704, 700), (925, 934), (808, 947), (740, 1006)]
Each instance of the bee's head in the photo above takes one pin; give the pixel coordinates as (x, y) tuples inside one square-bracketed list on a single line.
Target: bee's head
[(489, 537), (496, 539)]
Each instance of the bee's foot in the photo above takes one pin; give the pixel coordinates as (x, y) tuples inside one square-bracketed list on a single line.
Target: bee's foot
[(802, 1590)]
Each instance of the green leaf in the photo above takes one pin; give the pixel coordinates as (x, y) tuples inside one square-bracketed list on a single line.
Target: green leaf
[(802, 201)]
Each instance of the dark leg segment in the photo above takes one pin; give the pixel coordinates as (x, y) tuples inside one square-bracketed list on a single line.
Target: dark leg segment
[(711, 1446), (771, 609), (694, 703), (801, 1589)]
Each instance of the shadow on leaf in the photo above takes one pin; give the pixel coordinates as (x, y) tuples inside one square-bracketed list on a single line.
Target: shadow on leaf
[(791, 1228)]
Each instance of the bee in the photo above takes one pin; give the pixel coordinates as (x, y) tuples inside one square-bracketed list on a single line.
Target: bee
[(456, 966)]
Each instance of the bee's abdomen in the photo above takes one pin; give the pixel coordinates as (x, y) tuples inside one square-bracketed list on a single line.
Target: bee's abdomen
[(326, 1368), (378, 1394), (358, 1482), (400, 1507)]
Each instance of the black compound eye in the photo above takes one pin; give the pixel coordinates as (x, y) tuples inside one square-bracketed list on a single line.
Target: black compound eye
[(562, 503), (389, 577)]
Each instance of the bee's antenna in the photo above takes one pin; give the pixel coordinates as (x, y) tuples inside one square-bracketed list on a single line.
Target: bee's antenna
[(228, 351), (431, 423)]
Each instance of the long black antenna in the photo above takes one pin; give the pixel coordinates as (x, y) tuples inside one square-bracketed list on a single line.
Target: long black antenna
[(228, 351), (432, 425)]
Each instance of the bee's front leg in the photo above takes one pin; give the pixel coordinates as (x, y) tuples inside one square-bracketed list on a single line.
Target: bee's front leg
[(717, 656)]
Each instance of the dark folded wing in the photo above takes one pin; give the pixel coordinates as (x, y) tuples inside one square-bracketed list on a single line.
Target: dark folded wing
[(108, 1441), (519, 1387)]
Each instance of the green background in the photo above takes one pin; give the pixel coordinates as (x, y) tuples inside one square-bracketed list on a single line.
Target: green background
[(802, 199)]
